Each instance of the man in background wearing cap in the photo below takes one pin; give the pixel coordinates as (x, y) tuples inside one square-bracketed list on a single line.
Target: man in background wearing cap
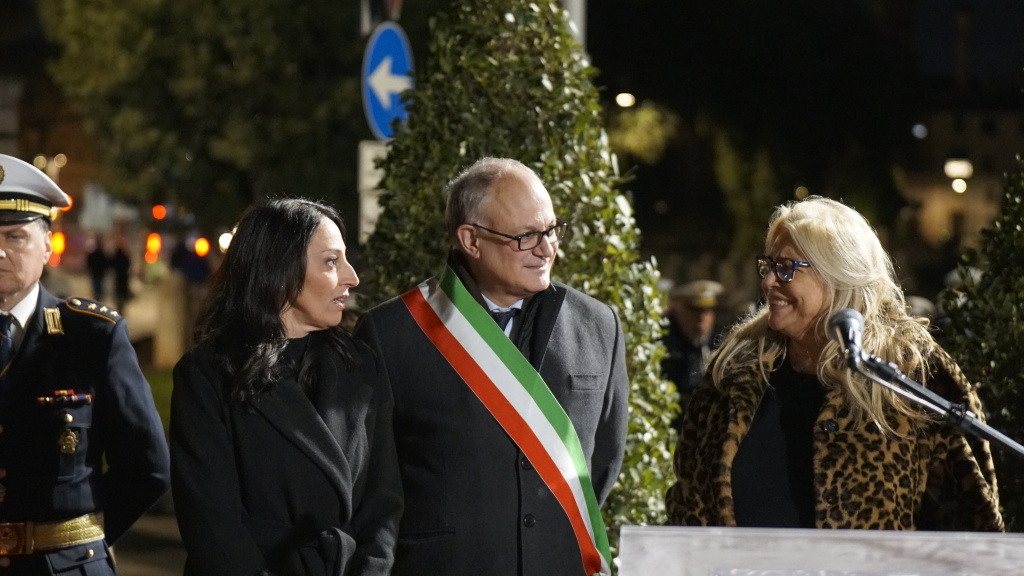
[(82, 449), (691, 325)]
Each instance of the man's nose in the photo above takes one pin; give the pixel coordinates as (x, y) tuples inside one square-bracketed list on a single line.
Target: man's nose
[(546, 247)]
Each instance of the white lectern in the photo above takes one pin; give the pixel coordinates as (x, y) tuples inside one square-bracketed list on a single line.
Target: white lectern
[(692, 551)]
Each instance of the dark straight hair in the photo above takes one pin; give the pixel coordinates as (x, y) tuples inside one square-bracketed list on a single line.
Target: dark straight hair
[(263, 271)]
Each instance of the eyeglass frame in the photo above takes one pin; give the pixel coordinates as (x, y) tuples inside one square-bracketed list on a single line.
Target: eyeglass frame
[(764, 261), (541, 234)]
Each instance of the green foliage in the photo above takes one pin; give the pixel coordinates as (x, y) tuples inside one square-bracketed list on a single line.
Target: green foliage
[(214, 103), (644, 131), (749, 183), (507, 78), (985, 333), (161, 384)]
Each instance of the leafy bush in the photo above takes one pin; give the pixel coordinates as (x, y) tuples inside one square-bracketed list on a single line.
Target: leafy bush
[(507, 78), (985, 331)]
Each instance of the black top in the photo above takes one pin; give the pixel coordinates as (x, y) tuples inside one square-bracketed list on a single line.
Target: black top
[(773, 472), (291, 366), (292, 356)]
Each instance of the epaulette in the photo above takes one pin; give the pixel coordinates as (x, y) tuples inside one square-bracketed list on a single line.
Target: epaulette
[(91, 307)]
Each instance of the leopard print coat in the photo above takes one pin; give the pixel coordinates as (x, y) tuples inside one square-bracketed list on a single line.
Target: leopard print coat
[(935, 479)]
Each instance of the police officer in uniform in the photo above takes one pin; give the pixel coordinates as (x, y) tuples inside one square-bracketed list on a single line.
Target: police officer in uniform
[(690, 337), (82, 449)]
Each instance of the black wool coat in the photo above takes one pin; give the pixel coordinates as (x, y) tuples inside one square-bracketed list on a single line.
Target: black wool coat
[(290, 486)]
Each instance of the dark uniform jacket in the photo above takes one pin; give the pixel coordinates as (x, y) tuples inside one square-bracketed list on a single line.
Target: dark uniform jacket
[(474, 504), (934, 478), (289, 486), (87, 351), (683, 362)]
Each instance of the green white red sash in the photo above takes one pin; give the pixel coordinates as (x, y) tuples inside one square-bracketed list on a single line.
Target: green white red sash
[(519, 400)]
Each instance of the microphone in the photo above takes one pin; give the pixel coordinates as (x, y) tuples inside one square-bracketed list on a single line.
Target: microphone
[(846, 327)]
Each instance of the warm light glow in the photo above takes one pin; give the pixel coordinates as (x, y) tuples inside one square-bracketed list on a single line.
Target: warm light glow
[(159, 212), (151, 257), (58, 242), (958, 168), (154, 243), (224, 241), (202, 246), (71, 203), (40, 162), (801, 192), (959, 185), (54, 260), (625, 100), (60, 160)]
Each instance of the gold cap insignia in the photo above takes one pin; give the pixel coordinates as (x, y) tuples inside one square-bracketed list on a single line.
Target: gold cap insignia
[(1, 173)]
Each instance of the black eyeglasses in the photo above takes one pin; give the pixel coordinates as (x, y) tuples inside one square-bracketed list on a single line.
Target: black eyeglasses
[(531, 240), (785, 268)]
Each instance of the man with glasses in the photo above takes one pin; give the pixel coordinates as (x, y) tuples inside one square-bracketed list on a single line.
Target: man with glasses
[(487, 412)]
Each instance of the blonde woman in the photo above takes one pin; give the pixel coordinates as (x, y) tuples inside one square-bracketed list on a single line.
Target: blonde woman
[(782, 434)]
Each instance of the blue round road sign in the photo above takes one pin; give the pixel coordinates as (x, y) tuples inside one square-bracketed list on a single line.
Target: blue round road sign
[(387, 71)]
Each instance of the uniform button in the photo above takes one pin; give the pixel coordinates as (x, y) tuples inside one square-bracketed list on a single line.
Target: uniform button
[(89, 553), (5, 562), (830, 426), (68, 418), (524, 463), (529, 520)]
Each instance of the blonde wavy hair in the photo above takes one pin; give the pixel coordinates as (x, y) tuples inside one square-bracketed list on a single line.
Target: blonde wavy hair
[(848, 257)]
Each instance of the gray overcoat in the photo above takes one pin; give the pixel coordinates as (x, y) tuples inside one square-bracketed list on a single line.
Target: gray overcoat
[(473, 503)]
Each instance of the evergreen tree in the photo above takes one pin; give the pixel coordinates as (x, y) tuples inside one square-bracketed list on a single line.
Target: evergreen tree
[(985, 331), (209, 105), (507, 78)]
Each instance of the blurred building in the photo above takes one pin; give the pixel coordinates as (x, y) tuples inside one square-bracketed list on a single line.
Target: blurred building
[(38, 126), (959, 132), (968, 135)]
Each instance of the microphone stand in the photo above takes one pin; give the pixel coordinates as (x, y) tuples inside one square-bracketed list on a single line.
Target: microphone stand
[(888, 375)]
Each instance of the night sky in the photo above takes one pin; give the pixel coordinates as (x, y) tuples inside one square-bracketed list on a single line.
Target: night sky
[(997, 36)]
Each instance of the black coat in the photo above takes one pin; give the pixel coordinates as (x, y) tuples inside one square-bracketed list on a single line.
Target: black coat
[(288, 486), (474, 503), (119, 464)]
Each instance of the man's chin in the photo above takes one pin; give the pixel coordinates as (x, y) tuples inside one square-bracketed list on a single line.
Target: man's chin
[(540, 285)]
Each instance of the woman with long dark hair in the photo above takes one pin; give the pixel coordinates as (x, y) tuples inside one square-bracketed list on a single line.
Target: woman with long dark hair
[(283, 459)]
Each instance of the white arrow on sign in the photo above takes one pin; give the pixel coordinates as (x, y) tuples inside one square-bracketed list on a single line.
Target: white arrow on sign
[(384, 83)]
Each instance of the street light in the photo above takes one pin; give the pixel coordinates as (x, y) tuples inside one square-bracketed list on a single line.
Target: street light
[(625, 99), (958, 168), (50, 165), (223, 241)]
